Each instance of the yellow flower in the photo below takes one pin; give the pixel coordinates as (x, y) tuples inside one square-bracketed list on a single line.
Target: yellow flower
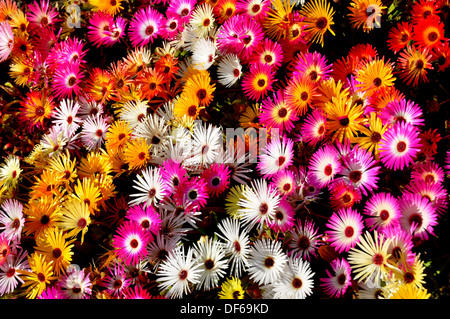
[(375, 75), (344, 120), (41, 214), (65, 167), (232, 199), (200, 85), (366, 14), (277, 23), (188, 104), (75, 218), (118, 134), (39, 277), (110, 6), (319, 19), (249, 118), (232, 289), (56, 249), (410, 292), (87, 192), (95, 163), (49, 185), (372, 134), (137, 153)]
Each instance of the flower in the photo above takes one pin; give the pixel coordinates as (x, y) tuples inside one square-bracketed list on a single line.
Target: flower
[(75, 218), (209, 253), (324, 165), (146, 217), (305, 240), (75, 285), (231, 289), (337, 282), (276, 157), (144, 26), (258, 81), (345, 227), (370, 257), (38, 277), (400, 36), (410, 292), (266, 261), (150, 185), (131, 241), (115, 281), (375, 75), (10, 277), (229, 70), (399, 146), (413, 63), (429, 33), (296, 281), (383, 211), (319, 17), (12, 219), (217, 178), (178, 272), (7, 40), (236, 244), (258, 204)]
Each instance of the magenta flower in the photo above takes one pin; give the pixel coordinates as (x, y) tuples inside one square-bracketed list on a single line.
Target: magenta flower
[(131, 242), (145, 26), (345, 228)]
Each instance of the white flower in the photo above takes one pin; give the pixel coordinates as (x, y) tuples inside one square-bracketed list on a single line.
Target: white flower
[(236, 244), (202, 19), (296, 280), (229, 70), (134, 112), (259, 203), (211, 257), (12, 219), (10, 171), (156, 132), (266, 261), (207, 141), (178, 272), (66, 115), (151, 186), (94, 132), (203, 54)]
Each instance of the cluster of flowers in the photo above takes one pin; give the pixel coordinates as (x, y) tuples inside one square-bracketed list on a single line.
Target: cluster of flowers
[(132, 152)]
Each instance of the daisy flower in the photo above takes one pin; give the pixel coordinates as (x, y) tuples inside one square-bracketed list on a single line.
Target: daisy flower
[(231, 289), (200, 85), (137, 292), (268, 52), (194, 192), (203, 54), (429, 33), (313, 66), (217, 178), (314, 128), (338, 281), (402, 111), (361, 170), (374, 75), (7, 40), (112, 7), (259, 202), (38, 277), (343, 194), (399, 36), (202, 19), (75, 218), (229, 70), (5, 248), (305, 240), (258, 81), (435, 192), (370, 257), (99, 23), (319, 18), (150, 185), (10, 277), (178, 273), (41, 14), (137, 153), (382, 210), (66, 115), (173, 173), (277, 113), (345, 227), (360, 15), (115, 280), (37, 107), (147, 217), (400, 246), (58, 249), (399, 146), (67, 80), (131, 241), (51, 292), (181, 8), (372, 135), (12, 219), (429, 172), (75, 284), (409, 292), (296, 280), (299, 94), (266, 261), (284, 182), (324, 165), (144, 26), (159, 249), (171, 27), (276, 157), (209, 253), (236, 244), (413, 64), (284, 216), (206, 143), (418, 216)]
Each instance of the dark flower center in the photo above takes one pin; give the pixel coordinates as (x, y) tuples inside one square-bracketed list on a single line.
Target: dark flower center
[(209, 264), (349, 231), (401, 147), (355, 176), (322, 23), (384, 215), (269, 262)]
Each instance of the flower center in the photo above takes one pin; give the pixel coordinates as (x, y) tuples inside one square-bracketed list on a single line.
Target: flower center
[(377, 82), (206, 22), (269, 262), (432, 36), (303, 243), (82, 223), (183, 274), (282, 112), (378, 259), (256, 8), (321, 23), (297, 283), (261, 83), (209, 264), (355, 176), (376, 137), (313, 75), (72, 81), (268, 58), (193, 194), (341, 279), (401, 147), (349, 231), (409, 277), (304, 96), (236, 73), (237, 246), (281, 160), (134, 243), (384, 215), (192, 110), (328, 170), (56, 253), (263, 208), (145, 224), (10, 272), (201, 94), (45, 219), (152, 193), (215, 181), (416, 219), (344, 121), (149, 30)]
